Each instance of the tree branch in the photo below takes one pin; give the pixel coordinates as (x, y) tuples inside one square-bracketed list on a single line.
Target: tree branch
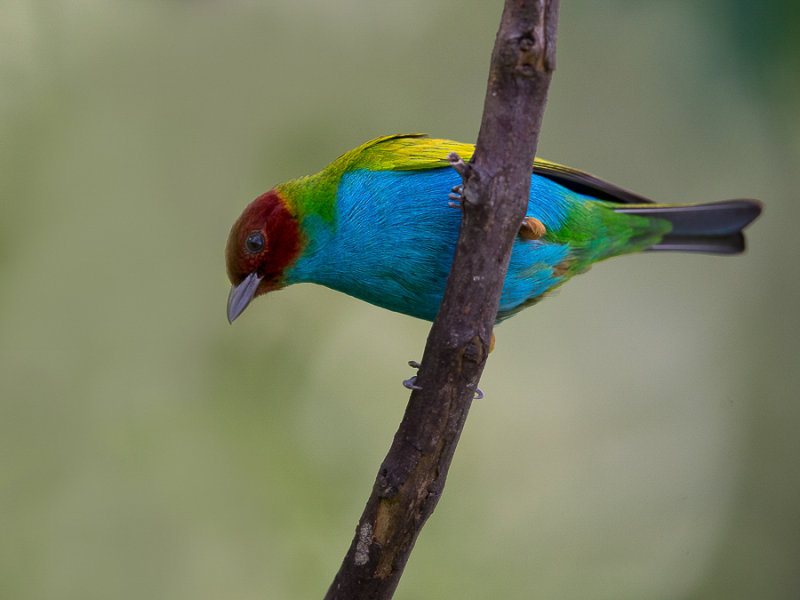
[(496, 188)]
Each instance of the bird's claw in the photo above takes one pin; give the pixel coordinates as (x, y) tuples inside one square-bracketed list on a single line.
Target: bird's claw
[(456, 197), (458, 163), (411, 384)]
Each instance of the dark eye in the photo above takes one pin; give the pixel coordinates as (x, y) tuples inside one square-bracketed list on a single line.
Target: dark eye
[(254, 243)]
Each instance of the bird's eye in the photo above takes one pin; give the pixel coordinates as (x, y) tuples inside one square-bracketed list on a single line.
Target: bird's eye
[(254, 243)]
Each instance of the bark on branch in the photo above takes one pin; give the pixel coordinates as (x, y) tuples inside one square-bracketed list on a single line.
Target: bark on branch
[(496, 187)]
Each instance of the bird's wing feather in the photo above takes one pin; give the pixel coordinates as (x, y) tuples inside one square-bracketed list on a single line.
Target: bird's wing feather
[(404, 152), (416, 151), (586, 184)]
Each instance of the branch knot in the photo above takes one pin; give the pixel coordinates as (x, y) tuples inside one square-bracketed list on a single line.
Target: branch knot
[(531, 55)]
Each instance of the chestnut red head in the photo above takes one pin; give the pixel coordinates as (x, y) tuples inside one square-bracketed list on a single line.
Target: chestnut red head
[(263, 241)]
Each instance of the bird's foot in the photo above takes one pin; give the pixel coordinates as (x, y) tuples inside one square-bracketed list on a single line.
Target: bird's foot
[(461, 167), (456, 196), (411, 382)]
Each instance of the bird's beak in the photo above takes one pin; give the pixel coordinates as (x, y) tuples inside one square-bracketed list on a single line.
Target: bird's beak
[(242, 294)]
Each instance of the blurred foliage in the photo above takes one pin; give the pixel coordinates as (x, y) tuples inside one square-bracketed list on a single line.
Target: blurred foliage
[(766, 37), (638, 436)]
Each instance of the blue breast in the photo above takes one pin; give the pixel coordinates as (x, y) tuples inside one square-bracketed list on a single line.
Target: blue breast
[(394, 235)]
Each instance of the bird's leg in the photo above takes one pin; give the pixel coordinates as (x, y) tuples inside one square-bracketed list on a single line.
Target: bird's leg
[(532, 229)]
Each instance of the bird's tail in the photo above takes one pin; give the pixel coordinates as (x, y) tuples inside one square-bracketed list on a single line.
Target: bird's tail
[(714, 228)]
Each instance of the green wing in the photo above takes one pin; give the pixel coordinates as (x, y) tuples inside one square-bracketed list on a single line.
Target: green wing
[(416, 151), (404, 152)]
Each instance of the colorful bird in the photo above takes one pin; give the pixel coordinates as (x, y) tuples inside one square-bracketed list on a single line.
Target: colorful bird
[(378, 224)]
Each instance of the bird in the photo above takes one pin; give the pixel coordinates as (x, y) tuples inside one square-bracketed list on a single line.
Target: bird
[(379, 224)]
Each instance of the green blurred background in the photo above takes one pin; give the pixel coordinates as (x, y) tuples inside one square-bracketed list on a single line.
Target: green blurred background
[(638, 438)]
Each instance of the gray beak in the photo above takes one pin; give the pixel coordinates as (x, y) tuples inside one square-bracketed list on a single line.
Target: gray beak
[(242, 294)]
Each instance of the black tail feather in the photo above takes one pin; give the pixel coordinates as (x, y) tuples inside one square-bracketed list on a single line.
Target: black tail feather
[(714, 228), (733, 243)]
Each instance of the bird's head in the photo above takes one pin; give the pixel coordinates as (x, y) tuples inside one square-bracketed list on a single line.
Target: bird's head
[(263, 241)]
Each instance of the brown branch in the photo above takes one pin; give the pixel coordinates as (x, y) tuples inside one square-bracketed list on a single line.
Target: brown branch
[(496, 187)]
